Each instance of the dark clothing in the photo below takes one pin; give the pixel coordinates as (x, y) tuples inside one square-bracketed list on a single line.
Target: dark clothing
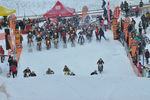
[(32, 74), (49, 72), (14, 71), (147, 56), (27, 72), (66, 69), (10, 60), (101, 33), (94, 73)]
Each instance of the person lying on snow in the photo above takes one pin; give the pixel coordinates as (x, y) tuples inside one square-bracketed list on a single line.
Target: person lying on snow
[(49, 71), (94, 73), (32, 74)]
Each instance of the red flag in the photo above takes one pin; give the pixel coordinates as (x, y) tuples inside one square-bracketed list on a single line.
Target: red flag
[(108, 13)]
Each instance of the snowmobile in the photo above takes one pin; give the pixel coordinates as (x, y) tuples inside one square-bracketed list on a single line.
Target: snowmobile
[(72, 41), (89, 36), (100, 68), (29, 44), (67, 73), (39, 45), (48, 44), (81, 40), (64, 42), (56, 43)]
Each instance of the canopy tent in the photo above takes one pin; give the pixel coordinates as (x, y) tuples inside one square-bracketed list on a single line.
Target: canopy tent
[(5, 11), (59, 11)]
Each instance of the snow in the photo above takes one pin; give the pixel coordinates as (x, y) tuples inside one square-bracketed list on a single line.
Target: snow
[(117, 82), (39, 7)]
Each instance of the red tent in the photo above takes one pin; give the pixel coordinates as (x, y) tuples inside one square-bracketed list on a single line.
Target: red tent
[(59, 11)]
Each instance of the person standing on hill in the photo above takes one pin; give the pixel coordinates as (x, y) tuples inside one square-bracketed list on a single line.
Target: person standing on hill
[(147, 56), (103, 5)]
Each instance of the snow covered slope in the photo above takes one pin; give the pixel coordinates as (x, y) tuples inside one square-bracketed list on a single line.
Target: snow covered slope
[(117, 82)]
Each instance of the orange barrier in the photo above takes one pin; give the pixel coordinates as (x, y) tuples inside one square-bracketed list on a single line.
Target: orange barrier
[(134, 67), (130, 39), (133, 47), (115, 24)]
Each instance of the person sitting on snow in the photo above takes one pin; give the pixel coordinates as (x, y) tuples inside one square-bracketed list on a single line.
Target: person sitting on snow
[(66, 70), (49, 71), (27, 72), (94, 73), (32, 74)]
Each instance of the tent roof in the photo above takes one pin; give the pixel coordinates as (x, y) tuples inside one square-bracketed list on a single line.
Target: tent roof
[(59, 11), (5, 11)]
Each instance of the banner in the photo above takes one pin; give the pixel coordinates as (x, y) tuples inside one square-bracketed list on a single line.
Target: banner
[(133, 47), (18, 50), (117, 12), (18, 44), (17, 36), (84, 12), (126, 24), (130, 39), (12, 21), (10, 42), (108, 13)]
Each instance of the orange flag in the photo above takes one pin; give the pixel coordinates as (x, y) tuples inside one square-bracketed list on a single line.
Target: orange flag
[(130, 39), (133, 47)]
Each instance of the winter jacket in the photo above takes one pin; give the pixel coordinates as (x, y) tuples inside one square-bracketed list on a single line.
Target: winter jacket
[(139, 68), (13, 69), (66, 69), (10, 60), (137, 9), (100, 62), (2, 51), (97, 31), (147, 54), (32, 74), (28, 26), (63, 34), (101, 32)]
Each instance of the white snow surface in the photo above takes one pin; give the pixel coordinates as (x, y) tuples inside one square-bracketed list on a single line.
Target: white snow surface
[(117, 82), (40, 7)]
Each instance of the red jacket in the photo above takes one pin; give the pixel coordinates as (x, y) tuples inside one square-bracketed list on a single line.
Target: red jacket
[(137, 9), (2, 51), (28, 26), (97, 31), (139, 68), (13, 69), (63, 34)]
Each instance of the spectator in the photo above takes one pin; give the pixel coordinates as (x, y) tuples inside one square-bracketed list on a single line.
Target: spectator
[(139, 67), (149, 74), (14, 71), (141, 4), (136, 11), (147, 56)]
